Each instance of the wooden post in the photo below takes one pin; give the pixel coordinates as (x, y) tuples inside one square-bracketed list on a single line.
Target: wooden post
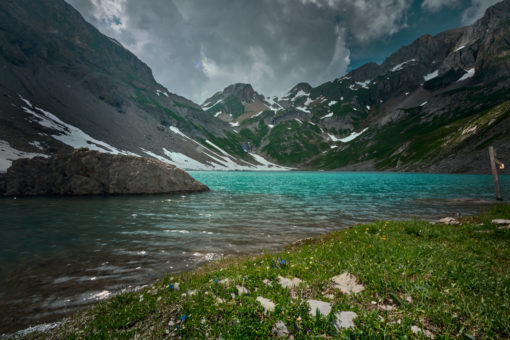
[(492, 156)]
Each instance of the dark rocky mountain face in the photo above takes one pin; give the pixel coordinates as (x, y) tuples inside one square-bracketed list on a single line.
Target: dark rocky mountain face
[(434, 105), (52, 61)]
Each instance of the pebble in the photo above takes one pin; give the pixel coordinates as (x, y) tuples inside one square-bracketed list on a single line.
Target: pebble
[(500, 221), (323, 307), (417, 330), (242, 290), (449, 220), (344, 320)]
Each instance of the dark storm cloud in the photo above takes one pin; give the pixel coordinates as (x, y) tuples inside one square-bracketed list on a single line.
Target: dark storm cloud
[(197, 47)]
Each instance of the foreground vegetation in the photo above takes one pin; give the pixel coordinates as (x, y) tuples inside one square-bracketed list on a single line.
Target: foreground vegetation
[(420, 279)]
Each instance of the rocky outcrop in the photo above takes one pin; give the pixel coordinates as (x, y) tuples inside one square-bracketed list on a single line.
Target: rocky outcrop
[(95, 173)]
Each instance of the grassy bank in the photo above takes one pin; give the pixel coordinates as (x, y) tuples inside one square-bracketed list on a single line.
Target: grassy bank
[(418, 277)]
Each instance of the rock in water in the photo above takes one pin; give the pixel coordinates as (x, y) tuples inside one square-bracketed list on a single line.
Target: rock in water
[(95, 173)]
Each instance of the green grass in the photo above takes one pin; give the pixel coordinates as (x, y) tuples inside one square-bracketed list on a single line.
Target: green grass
[(453, 281)]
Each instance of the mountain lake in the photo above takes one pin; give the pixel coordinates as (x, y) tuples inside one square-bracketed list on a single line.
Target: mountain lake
[(59, 255)]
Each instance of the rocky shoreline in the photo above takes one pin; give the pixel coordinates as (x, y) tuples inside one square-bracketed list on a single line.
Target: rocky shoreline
[(85, 172)]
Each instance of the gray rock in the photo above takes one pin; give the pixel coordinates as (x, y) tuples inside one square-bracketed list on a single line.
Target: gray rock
[(280, 330), (417, 331), (449, 220), (500, 221), (242, 290), (347, 283), (266, 303), (324, 308), (289, 283), (95, 173), (344, 320)]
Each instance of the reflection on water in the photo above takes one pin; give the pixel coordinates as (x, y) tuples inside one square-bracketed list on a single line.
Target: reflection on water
[(59, 254)]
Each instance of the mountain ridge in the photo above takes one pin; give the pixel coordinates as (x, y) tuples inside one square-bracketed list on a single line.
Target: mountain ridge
[(52, 60), (429, 85), (65, 85)]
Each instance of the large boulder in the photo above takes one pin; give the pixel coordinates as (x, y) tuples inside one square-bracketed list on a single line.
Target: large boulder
[(95, 173)]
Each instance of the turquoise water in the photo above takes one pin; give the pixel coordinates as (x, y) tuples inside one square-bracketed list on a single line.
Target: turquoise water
[(60, 254)]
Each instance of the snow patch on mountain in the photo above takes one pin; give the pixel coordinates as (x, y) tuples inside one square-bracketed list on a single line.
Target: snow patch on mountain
[(308, 101), (401, 65), (300, 93), (303, 109), (333, 138), (8, 154), (329, 115), (469, 74), (364, 84), (431, 75), (175, 130), (67, 133), (331, 103), (352, 136), (161, 93), (206, 107)]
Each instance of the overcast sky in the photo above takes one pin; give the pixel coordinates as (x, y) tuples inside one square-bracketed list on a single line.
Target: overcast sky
[(198, 47)]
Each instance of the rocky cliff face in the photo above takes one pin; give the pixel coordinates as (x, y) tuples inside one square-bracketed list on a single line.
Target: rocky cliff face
[(425, 108), (95, 173), (52, 61)]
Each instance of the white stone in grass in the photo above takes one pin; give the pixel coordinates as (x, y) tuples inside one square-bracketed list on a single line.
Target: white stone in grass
[(289, 283), (280, 330), (347, 283), (324, 308), (344, 320), (449, 220), (417, 330), (387, 307), (219, 300), (267, 282), (192, 292), (224, 282), (504, 227), (177, 286), (500, 221), (266, 303), (329, 296), (242, 290)]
